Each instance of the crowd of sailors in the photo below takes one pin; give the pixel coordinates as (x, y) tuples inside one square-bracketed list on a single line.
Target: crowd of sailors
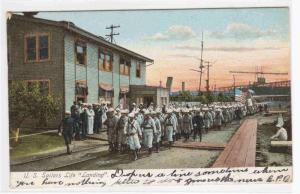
[(148, 127)]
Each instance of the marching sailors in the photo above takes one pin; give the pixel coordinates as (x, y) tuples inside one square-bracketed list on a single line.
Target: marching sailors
[(149, 129), (157, 135), (111, 123), (187, 124), (170, 125), (133, 132), (121, 130)]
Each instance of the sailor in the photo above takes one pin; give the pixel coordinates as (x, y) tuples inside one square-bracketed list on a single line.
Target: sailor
[(133, 107), (111, 123), (67, 129), (207, 119), (133, 132), (83, 119), (149, 129), (219, 119), (90, 119), (173, 115), (179, 120), (97, 119), (162, 117), (121, 128), (151, 106), (198, 125), (157, 135), (187, 124), (281, 134), (170, 126), (75, 114)]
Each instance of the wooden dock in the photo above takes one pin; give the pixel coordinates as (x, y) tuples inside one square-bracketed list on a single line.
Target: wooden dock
[(241, 149)]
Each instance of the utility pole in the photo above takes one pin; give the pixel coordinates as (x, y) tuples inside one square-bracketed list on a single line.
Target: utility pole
[(201, 65), (112, 34)]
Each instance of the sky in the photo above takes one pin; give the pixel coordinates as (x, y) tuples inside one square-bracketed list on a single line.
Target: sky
[(234, 40)]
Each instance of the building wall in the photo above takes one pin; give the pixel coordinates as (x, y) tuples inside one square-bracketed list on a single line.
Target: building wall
[(51, 70), (90, 73)]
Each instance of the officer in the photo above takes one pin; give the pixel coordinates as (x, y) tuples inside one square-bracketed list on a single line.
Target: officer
[(170, 126), (67, 130), (198, 125), (133, 132), (157, 136), (149, 129), (111, 123), (121, 128), (187, 123)]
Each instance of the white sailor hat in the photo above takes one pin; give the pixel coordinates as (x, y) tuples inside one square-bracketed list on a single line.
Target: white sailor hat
[(131, 115), (146, 112), (153, 112), (124, 111), (110, 110)]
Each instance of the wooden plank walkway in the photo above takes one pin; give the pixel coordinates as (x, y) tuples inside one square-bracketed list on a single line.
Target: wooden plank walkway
[(241, 149), (199, 145)]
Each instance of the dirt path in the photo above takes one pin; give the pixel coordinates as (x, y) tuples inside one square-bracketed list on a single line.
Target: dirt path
[(173, 158)]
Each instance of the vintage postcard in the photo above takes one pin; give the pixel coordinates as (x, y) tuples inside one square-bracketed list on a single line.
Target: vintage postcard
[(149, 97)]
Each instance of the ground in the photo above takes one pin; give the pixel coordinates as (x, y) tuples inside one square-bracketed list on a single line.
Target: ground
[(95, 156)]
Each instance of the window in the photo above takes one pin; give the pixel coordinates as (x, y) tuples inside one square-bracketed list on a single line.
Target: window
[(105, 60), (37, 47), (81, 91), (80, 51), (138, 70), (124, 66), (44, 85), (106, 95)]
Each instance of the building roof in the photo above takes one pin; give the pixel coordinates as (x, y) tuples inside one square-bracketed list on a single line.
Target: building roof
[(69, 26)]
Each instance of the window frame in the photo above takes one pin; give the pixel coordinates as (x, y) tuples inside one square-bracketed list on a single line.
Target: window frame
[(106, 53), (82, 82), (122, 70), (37, 36), (41, 80), (138, 70), (82, 43)]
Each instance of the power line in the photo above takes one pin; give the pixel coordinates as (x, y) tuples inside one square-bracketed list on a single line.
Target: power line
[(112, 34)]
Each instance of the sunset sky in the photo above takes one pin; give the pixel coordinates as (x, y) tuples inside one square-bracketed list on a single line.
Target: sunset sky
[(234, 39)]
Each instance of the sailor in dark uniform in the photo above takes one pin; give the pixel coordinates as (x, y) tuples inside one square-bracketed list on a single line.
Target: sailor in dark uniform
[(67, 130)]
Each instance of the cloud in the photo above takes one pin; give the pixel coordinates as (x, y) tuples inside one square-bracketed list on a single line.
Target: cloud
[(175, 32), (225, 49), (242, 31)]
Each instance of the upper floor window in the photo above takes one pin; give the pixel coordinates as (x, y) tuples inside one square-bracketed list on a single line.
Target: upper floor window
[(138, 70), (124, 66), (105, 60), (37, 47), (80, 52)]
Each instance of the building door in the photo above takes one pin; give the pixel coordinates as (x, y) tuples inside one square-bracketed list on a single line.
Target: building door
[(147, 100)]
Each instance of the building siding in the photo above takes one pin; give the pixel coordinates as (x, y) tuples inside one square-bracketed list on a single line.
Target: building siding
[(18, 69)]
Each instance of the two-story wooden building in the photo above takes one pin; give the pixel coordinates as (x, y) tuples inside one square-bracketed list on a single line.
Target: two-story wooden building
[(70, 62)]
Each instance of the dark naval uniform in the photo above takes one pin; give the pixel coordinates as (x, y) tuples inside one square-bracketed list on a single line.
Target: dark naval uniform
[(67, 129)]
